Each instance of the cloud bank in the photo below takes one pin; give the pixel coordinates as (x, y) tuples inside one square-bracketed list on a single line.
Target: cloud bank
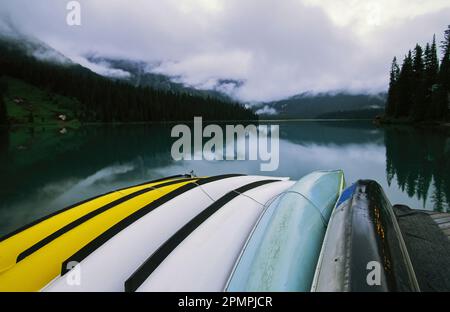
[(275, 48)]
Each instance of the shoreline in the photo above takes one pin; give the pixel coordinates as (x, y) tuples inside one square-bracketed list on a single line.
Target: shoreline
[(79, 124), (377, 122), (410, 123)]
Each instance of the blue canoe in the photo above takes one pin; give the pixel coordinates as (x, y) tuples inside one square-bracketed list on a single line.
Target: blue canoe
[(282, 251)]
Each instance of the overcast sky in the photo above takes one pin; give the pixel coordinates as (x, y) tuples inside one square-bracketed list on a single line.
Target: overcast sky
[(278, 48)]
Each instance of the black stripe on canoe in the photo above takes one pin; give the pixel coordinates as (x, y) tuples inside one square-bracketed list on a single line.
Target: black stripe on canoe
[(91, 215), (150, 265), (112, 231), (23, 228)]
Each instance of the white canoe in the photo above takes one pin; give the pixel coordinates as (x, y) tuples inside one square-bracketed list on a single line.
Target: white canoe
[(284, 247), (106, 264), (202, 255)]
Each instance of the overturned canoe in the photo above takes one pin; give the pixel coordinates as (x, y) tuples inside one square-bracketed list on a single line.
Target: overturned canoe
[(363, 249), (109, 260), (283, 250)]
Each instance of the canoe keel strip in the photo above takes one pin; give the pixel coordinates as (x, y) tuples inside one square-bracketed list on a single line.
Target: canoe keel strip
[(363, 249), (32, 257)]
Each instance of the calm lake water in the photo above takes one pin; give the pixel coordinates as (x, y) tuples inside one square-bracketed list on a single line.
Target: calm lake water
[(46, 169)]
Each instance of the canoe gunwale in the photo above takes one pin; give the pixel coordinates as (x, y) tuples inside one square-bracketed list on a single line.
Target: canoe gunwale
[(321, 255)]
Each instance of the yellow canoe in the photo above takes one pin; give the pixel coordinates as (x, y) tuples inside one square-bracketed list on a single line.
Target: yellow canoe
[(32, 257)]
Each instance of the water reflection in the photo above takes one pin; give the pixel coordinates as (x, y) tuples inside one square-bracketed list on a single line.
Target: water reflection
[(419, 161), (44, 169)]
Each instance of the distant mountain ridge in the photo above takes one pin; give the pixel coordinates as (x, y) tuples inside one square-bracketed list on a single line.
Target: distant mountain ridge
[(140, 72), (141, 75), (31, 46), (323, 105), (41, 85)]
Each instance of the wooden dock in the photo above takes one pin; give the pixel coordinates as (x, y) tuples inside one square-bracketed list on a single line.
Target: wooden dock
[(427, 238)]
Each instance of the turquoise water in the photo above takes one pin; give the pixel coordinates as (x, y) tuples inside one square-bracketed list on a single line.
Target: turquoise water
[(46, 169)]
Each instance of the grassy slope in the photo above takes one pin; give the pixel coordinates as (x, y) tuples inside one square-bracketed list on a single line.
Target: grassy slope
[(39, 107)]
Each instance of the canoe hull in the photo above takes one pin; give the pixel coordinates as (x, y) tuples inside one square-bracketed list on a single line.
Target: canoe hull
[(282, 253)]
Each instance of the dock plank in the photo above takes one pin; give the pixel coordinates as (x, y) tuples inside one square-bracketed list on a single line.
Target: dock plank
[(436, 215), (442, 220)]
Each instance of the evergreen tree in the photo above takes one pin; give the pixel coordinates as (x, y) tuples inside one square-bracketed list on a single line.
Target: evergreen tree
[(392, 100), (444, 77), (434, 62), (445, 65), (403, 109), (431, 80), (3, 112), (418, 87), (427, 59)]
